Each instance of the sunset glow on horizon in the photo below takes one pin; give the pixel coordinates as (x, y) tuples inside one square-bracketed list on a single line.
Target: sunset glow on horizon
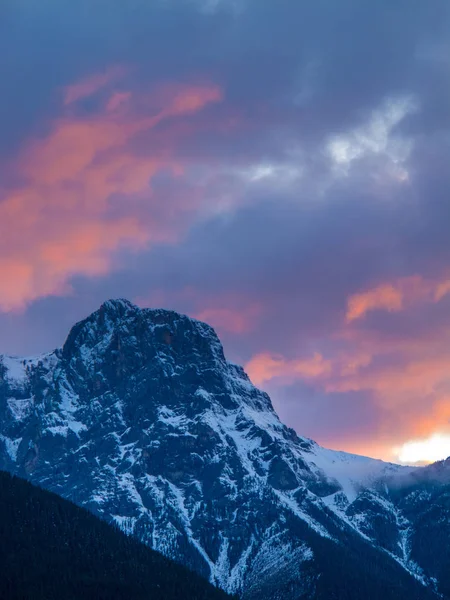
[(430, 450)]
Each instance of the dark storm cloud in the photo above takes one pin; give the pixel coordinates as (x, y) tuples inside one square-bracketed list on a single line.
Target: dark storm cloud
[(48, 45), (318, 64)]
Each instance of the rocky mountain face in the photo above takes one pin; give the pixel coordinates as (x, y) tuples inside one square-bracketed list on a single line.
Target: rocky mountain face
[(140, 419)]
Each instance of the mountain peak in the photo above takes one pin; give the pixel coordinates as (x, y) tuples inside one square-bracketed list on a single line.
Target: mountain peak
[(123, 334), (118, 305), (141, 419)]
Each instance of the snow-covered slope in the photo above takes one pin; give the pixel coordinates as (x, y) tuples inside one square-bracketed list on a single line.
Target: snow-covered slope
[(140, 418)]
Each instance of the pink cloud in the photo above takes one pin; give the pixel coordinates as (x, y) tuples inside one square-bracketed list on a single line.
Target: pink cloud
[(90, 85), (117, 100), (406, 382), (59, 223), (231, 320), (396, 296), (265, 367), (383, 297), (228, 312), (442, 289)]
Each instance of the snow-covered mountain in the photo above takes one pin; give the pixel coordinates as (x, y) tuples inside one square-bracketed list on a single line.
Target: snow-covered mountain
[(140, 418)]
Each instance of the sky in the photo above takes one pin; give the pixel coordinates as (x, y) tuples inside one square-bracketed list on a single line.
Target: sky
[(277, 168)]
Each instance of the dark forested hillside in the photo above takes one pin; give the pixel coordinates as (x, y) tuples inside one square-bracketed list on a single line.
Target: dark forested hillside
[(52, 549)]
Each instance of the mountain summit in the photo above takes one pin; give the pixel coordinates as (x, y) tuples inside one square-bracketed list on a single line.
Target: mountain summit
[(140, 419)]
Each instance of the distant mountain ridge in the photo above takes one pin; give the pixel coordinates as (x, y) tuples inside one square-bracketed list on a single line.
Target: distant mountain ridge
[(140, 418)]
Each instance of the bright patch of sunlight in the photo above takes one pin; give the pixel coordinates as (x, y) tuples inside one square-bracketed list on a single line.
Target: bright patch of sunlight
[(436, 447)]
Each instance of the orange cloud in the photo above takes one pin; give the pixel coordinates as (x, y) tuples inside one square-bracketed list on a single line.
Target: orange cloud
[(117, 100), (90, 85), (394, 370), (405, 380), (434, 419), (383, 297), (442, 289), (85, 250), (395, 383), (227, 313), (60, 224), (408, 381), (350, 365), (264, 367), (325, 372), (231, 320), (394, 297)]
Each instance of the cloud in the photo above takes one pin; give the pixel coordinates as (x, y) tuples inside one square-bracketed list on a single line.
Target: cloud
[(394, 297), (62, 221), (229, 312), (318, 178), (230, 320), (383, 297), (43, 266), (376, 137), (263, 367), (90, 85), (404, 383), (442, 289), (395, 383)]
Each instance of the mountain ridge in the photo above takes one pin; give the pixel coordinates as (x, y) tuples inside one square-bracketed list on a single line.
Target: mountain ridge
[(155, 431)]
